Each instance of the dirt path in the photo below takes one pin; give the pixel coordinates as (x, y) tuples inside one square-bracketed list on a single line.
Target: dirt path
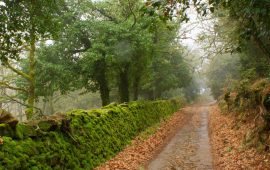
[(181, 142), (189, 148)]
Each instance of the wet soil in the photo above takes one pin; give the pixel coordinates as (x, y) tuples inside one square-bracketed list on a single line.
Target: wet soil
[(189, 148)]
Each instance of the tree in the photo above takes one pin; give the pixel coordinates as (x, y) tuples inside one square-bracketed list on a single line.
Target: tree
[(222, 70), (253, 21), (240, 34), (98, 38), (22, 25), (54, 73), (108, 45), (167, 72)]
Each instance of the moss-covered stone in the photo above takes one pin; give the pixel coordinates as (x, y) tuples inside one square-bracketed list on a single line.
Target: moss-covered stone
[(26, 130), (48, 125), (84, 139), (7, 118), (5, 130)]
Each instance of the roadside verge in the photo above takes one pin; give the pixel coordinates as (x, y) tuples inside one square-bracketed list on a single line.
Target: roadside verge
[(228, 149)]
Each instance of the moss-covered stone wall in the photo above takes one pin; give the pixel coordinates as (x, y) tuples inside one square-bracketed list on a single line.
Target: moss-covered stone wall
[(82, 139)]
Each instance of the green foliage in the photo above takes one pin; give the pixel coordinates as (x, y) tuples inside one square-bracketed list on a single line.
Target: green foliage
[(91, 138), (110, 47), (22, 25), (247, 60), (222, 70), (95, 46), (167, 68), (168, 10), (19, 18), (54, 72), (253, 19)]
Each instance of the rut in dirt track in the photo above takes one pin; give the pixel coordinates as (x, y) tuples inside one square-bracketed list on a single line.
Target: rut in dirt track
[(189, 148)]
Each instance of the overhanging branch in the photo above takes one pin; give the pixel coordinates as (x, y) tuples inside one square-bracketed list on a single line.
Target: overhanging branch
[(6, 85), (8, 65)]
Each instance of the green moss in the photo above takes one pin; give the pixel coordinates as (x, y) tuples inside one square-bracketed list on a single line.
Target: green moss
[(3, 125), (93, 136), (6, 130), (20, 131), (47, 125)]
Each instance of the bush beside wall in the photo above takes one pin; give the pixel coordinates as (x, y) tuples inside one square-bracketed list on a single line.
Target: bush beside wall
[(83, 139)]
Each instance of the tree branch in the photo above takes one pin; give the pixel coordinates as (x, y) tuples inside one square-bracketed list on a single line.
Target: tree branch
[(133, 14), (8, 65), (6, 85), (23, 104), (102, 12)]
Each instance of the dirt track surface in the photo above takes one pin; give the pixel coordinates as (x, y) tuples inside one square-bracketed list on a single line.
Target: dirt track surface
[(181, 142), (189, 148)]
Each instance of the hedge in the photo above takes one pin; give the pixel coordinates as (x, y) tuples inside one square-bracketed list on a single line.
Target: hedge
[(83, 139)]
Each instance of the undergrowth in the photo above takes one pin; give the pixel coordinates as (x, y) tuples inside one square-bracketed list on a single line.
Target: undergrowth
[(249, 102)]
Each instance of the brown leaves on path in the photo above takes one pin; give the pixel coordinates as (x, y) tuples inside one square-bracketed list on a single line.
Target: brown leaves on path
[(138, 154), (229, 153)]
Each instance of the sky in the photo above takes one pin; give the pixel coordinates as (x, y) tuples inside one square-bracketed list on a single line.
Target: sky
[(192, 31), (196, 26)]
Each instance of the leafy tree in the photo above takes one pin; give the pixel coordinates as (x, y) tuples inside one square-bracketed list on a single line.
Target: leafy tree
[(22, 25), (54, 73), (108, 45), (167, 72), (253, 21), (221, 71), (98, 41), (242, 28)]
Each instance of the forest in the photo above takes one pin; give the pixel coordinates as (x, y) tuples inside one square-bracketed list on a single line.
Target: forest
[(88, 84), (115, 49)]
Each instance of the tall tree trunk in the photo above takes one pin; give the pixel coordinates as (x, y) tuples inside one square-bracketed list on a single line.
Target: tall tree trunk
[(101, 78), (124, 84), (136, 86), (2, 90), (31, 79), (51, 106), (104, 93), (263, 47), (158, 94), (44, 106), (150, 95)]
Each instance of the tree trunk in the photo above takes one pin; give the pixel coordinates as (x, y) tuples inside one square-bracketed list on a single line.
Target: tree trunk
[(124, 84), (101, 78), (151, 95), (51, 106), (136, 86), (158, 94), (2, 90), (104, 93), (31, 79), (44, 106)]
